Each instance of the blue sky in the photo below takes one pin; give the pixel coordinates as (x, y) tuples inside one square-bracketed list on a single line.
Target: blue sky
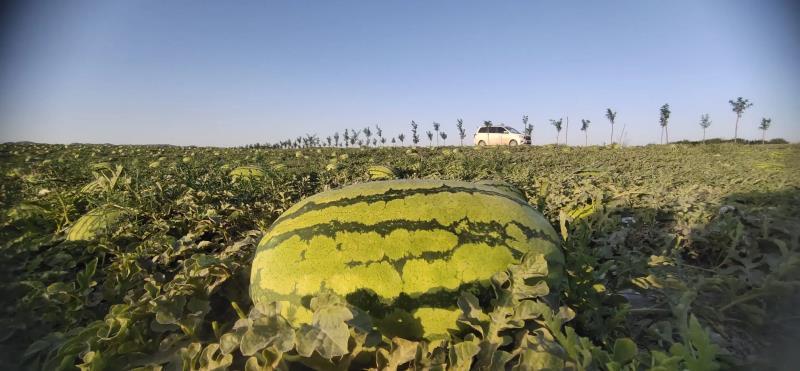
[(231, 73)]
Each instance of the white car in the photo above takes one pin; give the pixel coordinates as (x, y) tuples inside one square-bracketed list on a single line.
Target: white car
[(500, 135)]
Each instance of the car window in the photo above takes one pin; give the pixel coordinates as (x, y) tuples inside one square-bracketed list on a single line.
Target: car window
[(512, 130), (494, 130), (482, 130)]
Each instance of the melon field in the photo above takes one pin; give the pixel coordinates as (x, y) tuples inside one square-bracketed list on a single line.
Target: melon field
[(675, 257)]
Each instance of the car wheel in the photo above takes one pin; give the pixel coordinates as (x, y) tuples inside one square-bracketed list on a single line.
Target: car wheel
[(512, 143), (481, 143)]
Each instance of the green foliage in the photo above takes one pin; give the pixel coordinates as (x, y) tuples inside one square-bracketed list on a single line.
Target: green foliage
[(740, 105), (765, 124), (705, 121), (679, 257)]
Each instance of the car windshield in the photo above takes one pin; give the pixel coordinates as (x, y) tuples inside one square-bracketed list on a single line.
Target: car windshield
[(512, 130)]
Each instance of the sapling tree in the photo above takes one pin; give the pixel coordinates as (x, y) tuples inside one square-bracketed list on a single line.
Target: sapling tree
[(401, 137), (444, 137), (765, 123), (528, 129), (611, 116), (414, 135), (354, 137), (430, 138), (346, 138), (739, 106), (436, 129), (557, 124), (705, 122), (663, 120), (379, 133), (336, 138), (584, 127), (311, 140), (329, 140), (461, 132), (367, 133)]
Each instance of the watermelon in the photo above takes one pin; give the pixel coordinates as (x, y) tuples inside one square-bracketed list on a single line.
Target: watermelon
[(95, 223), (502, 185), (381, 172), (401, 250), (101, 166), (247, 172), (92, 187)]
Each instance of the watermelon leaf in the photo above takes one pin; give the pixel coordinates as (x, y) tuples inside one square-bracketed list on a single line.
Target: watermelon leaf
[(531, 359), (624, 350), (211, 358), (402, 352), (328, 333), (532, 268), (470, 312), (263, 328), (461, 354)]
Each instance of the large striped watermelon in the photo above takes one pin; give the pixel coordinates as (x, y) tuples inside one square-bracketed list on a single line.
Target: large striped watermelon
[(400, 249), (95, 222)]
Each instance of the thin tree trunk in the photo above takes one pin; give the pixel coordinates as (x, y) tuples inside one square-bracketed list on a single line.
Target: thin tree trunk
[(612, 133), (566, 133), (763, 136), (704, 135), (661, 140), (586, 135), (666, 129), (736, 130)]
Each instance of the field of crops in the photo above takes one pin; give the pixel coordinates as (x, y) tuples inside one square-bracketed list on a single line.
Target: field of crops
[(677, 257)]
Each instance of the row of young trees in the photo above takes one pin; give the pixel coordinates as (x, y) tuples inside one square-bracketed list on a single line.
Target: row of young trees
[(738, 106), (353, 137)]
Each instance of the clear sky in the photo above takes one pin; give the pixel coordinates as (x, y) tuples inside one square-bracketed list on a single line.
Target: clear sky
[(234, 72)]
